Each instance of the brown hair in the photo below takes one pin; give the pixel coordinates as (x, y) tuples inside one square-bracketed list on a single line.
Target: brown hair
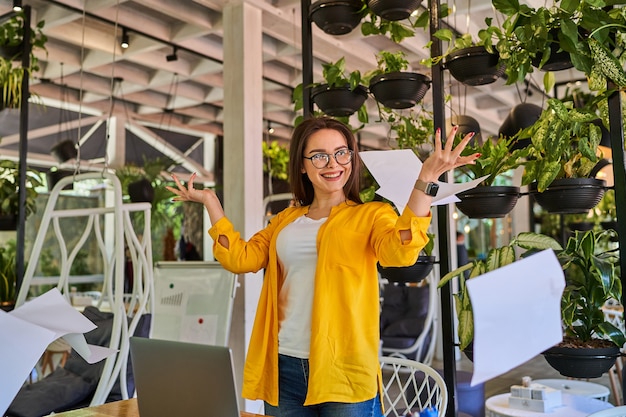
[(301, 185)]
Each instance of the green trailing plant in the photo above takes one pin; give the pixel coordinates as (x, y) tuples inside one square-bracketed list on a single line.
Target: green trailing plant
[(11, 70), (497, 157), (336, 76), (276, 160), (9, 188), (496, 258), (564, 142), (397, 31), (8, 272)]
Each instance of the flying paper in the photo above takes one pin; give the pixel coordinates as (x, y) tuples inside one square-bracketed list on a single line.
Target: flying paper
[(517, 313), (29, 329), (396, 171)]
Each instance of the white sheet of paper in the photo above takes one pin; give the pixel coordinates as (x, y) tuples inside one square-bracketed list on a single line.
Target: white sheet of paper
[(29, 329), (517, 313), (396, 171)]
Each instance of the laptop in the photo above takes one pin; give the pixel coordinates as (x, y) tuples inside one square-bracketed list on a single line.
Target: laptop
[(183, 379)]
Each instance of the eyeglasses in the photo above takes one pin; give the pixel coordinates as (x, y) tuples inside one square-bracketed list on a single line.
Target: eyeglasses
[(321, 160)]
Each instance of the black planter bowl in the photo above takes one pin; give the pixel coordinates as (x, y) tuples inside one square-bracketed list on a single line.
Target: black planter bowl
[(414, 273), (393, 9), (569, 195), (141, 191), (338, 101), (336, 17), (520, 117), (8, 222), (474, 66), (558, 61), (581, 362), (12, 52), (487, 202), (64, 151), (399, 90)]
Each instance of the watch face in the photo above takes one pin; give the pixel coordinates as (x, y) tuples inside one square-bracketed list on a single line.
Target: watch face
[(432, 189)]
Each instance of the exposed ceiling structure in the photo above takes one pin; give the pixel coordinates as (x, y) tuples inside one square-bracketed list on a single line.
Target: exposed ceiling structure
[(169, 81)]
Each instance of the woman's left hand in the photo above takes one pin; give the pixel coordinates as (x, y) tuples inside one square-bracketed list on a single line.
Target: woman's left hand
[(445, 158)]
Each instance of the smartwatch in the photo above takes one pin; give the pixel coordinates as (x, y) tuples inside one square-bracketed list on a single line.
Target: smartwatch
[(429, 188)]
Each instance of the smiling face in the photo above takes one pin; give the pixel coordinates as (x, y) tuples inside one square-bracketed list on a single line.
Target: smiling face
[(331, 179)]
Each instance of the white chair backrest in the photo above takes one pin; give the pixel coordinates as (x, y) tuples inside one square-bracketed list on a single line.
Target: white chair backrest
[(410, 386)]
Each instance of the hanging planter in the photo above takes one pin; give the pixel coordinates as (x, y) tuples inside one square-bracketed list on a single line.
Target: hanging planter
[(569, 195), (336, 17), (414, 273), (487, 202), (399, 90), (578, 362), (558, 60), (8, 222), (474, 65), (141, 191), (393, 9), (520, 117), (64, 151), (338, 101)]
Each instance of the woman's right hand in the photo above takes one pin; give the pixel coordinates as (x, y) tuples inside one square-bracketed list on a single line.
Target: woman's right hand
[(189, 193)]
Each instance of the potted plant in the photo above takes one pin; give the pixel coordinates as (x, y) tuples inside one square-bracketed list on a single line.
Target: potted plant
[(392, 85), (8, 276), (490, 199), (468, 61), (591, 281), (11, 47), (561, 156), (9, 195), (339, 96)]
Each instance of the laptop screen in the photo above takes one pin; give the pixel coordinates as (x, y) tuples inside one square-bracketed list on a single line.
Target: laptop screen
[(183, 379)]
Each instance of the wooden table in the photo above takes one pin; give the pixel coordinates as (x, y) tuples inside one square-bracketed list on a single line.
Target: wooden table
[(125, 408)]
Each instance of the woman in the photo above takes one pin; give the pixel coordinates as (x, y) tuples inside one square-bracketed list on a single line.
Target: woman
[(314, 345)]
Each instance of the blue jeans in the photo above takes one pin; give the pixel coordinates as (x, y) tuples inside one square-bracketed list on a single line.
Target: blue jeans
[(293, 382)]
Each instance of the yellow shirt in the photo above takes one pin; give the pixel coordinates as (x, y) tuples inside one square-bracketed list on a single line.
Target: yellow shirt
[(344, 363)]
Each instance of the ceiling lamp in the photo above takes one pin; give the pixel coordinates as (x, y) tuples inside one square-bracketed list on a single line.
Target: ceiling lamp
[(124, 44), (173, 56), (17, 5)]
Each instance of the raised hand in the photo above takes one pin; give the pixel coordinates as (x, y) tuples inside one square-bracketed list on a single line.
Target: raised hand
[(445, 158)]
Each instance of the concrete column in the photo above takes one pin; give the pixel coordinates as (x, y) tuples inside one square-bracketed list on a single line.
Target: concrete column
[(243, 171)]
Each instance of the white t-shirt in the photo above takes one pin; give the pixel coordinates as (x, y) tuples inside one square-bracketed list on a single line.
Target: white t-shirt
[(297, 254)]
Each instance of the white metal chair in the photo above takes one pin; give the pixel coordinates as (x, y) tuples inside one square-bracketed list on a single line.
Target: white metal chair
[(611, 412), (114, 219), (410, 386)]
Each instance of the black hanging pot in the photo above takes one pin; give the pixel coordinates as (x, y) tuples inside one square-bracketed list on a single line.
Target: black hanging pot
[(414, 273), (141, 191), (569, 195), (393, 9), (338, 101), (558, 60), (8, 222), (64, 150), (336, 17), (577, 362), (487, 202), (467, 124), (520, 117), (399, 90), (12, 52), (474, 65)]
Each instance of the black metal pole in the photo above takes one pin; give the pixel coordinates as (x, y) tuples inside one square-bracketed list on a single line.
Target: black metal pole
[(616, 132), (443, 228), (307, 58), (23, 153)]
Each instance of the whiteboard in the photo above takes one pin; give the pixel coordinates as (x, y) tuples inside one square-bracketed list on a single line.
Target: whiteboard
[(193, 302)]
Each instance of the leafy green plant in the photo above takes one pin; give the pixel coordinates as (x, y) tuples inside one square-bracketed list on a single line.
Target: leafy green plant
[(496, 158), (590, 31), (496, 258), (276, 160), (591, 280), (397, 31), (336, 76), (9, 188), (564, 142)]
